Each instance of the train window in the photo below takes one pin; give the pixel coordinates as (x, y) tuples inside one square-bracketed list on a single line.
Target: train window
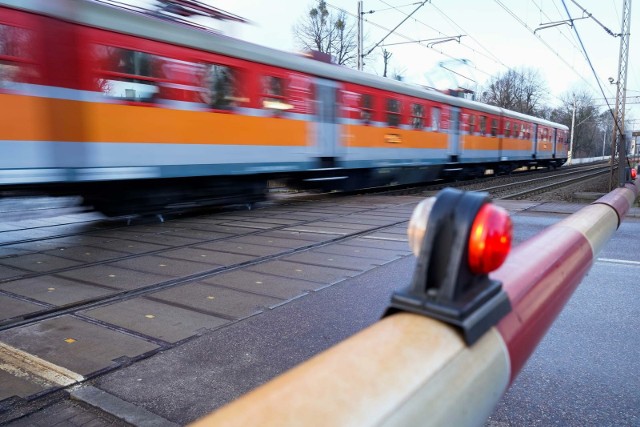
[(219, 85), (366, 108), (393, 112), (273, 89), (507, 129), (417, 116), (435, 119), (472, 124), (483, 125), (516, 130), (14, 54), (128, 74), (494, 127)]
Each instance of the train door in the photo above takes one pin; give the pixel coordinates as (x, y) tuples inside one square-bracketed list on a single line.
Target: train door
[(534, 137), (327, 129), (454, 135), (554, 142)]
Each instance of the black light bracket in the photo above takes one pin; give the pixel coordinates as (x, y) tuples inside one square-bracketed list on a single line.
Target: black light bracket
[(443, 287)]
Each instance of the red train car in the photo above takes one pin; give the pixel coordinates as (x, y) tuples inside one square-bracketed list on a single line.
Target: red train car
[(135, 112)]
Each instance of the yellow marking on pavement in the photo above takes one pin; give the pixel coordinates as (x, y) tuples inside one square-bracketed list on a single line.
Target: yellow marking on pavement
[(112, 275), (51, 289), (69, 340), (25, 365), (149, 316), (211, 297), (258, 283), (162, 265)]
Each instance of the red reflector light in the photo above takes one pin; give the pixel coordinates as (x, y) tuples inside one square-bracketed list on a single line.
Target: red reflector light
[(490, 239), (634, 174)]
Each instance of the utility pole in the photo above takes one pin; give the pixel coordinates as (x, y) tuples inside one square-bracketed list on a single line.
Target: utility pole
[(621, 87), (361, 13)]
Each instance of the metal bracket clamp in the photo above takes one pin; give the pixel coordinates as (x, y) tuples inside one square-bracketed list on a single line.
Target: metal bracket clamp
[(443, 287)]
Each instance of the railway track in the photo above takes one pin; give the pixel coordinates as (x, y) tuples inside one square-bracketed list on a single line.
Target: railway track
[(145, 290)]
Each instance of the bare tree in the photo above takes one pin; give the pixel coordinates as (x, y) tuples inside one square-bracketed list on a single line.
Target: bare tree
[(333, 34), (587, 133), (386, 56), (521, 90)]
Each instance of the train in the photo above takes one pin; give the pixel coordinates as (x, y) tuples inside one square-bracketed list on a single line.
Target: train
[(135, 113)]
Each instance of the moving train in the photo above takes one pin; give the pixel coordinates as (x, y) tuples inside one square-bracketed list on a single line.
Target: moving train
[(135, 112)]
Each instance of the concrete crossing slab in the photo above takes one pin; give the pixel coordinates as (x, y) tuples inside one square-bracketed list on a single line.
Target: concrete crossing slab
[(39, 262), (114, 277), (216, 301), (13, 307), (312, 273), (241, 248), (329, 260), (161, 265), (162, 321), (260, 283), (210, 258), (55, 290), (77, 345)]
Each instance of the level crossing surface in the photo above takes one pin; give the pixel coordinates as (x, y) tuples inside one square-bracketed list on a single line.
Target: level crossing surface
[(584, 372)]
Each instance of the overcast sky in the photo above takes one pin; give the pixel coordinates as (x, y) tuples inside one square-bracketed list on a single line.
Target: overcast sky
[(498, 34)]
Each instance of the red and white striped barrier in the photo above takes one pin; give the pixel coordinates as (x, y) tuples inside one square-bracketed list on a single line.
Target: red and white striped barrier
[(409, 369)]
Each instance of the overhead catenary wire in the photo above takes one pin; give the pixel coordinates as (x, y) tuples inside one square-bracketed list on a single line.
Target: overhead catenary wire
[(524, 24), (405, 37), (595, 75)]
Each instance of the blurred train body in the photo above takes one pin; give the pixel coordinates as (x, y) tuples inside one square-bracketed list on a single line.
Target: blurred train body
[(135, 112)]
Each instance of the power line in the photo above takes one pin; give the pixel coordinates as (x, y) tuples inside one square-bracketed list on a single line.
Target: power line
[(524, 24), (494, 57), (408, 38)]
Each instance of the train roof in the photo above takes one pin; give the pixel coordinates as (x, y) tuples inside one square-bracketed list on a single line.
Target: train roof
[(108, 17)]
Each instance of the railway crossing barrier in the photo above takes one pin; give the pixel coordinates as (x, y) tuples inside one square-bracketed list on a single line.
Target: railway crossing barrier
[(455, 339)]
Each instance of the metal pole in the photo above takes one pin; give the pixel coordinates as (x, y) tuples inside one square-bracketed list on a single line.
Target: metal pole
[(573, 123), (604, 141), (621, 87)]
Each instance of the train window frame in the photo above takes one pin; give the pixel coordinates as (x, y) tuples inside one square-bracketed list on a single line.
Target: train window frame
[(516, 130), (507, 129), (228, 97), (417, 116), (149, 81), (393, 112), (494, 127), (366, 108), (483, 125), (273, 90), (472, 123), (15, 68), (436, 116)]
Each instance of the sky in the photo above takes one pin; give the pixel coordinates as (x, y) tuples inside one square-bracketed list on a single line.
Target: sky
[(497, 35)]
